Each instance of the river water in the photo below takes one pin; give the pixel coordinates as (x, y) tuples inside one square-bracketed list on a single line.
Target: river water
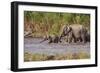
[(33, 45)]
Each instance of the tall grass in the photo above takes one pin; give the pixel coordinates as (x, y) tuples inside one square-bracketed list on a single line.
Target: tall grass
[(42, 23)]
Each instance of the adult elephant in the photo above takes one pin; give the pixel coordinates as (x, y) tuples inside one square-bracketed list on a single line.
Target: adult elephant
[(74, 32)]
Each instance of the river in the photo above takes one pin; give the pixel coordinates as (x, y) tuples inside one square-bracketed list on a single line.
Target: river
[(33, 45)]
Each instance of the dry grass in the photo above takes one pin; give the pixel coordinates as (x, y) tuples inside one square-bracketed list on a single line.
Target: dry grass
[(44, 57)]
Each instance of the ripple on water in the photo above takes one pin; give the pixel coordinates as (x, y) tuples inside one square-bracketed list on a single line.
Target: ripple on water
[(34, 46)]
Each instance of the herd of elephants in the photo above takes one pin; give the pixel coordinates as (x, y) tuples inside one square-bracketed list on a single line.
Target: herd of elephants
[(72, 33)]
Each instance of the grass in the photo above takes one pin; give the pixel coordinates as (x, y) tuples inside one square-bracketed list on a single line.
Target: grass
[(46, 23), (44, 57)]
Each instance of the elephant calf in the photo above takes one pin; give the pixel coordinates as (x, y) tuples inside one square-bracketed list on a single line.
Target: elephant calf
[(52, 39)]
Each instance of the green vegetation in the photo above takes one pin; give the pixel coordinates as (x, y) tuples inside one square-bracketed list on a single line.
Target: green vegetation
[(43, 23), (44, 57)]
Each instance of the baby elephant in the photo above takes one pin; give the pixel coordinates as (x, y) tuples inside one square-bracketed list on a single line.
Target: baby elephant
[(52, 39)]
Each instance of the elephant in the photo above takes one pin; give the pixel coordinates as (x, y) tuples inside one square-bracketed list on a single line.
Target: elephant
[(75, 32), (88, 36), (67, 37), (66, 32), (51, 39)]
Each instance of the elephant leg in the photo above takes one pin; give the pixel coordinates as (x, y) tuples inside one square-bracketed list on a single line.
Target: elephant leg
[(74, 39), (80, 39), (87, 38), (70, 40), (83, 39), (70, 37), (59, 40), (67, 40), (50, 39)]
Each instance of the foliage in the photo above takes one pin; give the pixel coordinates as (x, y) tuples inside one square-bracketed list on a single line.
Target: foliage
[(51, 22)]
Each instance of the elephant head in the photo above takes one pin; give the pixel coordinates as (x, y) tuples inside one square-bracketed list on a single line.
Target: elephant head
[(65, 31)]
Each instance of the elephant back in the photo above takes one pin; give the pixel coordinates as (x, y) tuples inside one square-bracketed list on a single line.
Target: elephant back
[(77, 28)]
